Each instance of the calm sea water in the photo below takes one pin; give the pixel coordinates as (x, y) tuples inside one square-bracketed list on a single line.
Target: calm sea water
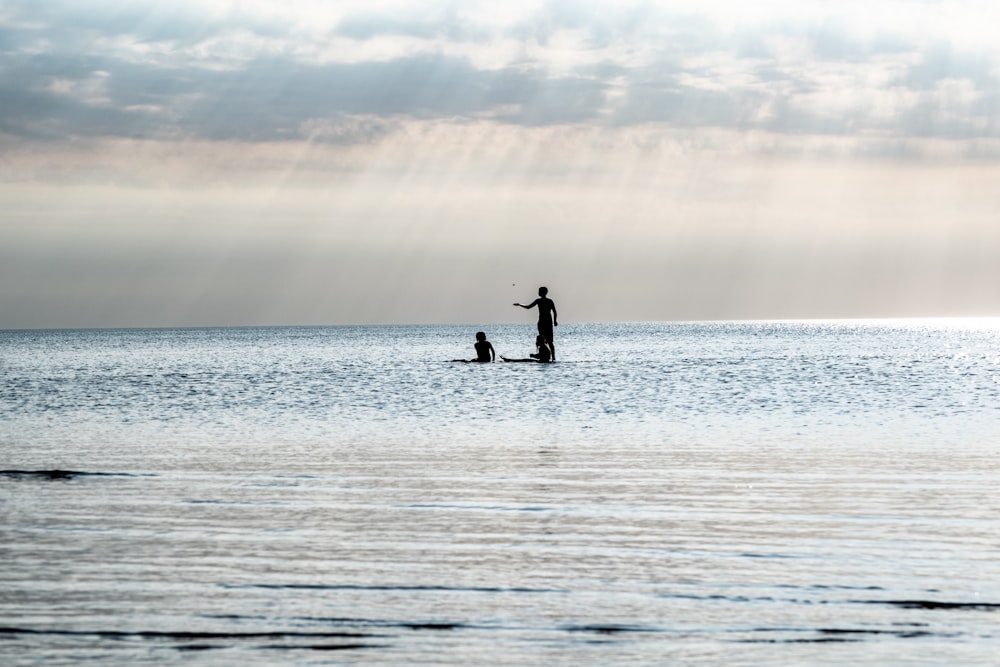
[(737, 494)]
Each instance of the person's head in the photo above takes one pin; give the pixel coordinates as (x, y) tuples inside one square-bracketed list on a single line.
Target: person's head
[(540, 341), (542, 291), (480, 336)]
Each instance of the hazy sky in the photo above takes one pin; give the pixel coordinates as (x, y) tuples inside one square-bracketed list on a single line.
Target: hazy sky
[(314, 162)]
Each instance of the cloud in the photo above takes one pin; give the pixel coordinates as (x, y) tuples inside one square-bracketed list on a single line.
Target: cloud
[(221, 73), (419, 21)]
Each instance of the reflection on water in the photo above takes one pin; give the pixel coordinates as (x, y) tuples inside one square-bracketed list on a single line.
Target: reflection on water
[(718, 494)]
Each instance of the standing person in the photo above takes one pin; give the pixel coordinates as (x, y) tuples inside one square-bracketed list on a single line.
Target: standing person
[(547, 317)]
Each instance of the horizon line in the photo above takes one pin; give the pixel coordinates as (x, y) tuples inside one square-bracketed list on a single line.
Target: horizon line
[(916, 319)]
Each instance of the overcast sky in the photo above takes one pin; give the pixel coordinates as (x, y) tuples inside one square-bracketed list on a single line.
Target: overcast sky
[(225, 163)]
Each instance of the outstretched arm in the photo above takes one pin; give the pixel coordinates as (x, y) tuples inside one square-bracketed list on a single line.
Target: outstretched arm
[(530, 305)]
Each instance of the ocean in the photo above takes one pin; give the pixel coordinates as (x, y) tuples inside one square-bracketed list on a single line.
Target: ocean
[(744, 493)]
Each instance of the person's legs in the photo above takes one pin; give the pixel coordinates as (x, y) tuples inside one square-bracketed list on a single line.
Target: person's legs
[(545, 331)]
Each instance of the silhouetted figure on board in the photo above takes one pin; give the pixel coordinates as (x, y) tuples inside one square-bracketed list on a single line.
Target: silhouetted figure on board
[(484, 350), (547, 317), (543, 354)]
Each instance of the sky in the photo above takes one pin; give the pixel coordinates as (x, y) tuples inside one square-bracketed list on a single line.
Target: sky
[(208, 163)]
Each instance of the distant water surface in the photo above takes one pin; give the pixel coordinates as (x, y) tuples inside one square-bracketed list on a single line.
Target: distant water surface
[(765, 493)]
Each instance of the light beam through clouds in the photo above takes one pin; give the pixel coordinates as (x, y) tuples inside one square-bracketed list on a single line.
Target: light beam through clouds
[(307, 162)]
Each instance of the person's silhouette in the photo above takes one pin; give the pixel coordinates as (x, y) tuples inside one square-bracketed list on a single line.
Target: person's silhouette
[(547, 317), (484, 348), (543, 354)]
